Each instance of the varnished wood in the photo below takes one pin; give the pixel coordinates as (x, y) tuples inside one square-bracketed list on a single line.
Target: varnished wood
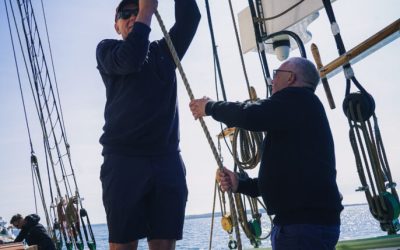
[(359, 49), (324, 80)]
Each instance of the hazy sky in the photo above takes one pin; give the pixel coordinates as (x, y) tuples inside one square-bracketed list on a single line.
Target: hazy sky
[(75, 28)]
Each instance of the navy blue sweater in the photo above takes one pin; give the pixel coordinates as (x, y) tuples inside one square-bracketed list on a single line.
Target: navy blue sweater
[(297, 175), (141, 112)]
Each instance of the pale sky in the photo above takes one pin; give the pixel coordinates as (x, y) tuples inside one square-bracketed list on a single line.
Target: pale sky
[(76, 27)]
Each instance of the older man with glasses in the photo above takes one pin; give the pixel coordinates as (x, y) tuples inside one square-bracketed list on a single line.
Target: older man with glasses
[(143, 175), (297, 175)]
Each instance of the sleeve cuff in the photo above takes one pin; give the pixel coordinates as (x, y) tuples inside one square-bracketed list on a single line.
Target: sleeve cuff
[(241, 182), (141, 29), (209, 107)]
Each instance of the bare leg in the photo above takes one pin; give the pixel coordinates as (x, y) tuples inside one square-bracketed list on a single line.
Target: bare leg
[(128, 246), (162, 244)]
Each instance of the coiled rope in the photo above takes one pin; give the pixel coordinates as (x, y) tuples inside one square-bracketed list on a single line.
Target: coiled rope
[(372, 165), (248, 142), (203, 124)]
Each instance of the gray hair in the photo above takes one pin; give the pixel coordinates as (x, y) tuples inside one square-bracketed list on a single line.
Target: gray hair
[(307, 73)]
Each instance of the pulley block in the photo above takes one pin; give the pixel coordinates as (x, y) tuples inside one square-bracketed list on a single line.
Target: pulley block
[(392, 204), (232, 244), (226, 223), (59, 245), (255, 227), (362, 99), (80, 245), (92, 245)]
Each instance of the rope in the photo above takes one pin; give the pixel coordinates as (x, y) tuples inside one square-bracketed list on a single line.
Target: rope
[(48, 110), (239, 48), (261, 52), (203, 125), (359, 107), (250, 148), (34, 164), (373, 169), (252, 228), (213, 216), (215, 52)]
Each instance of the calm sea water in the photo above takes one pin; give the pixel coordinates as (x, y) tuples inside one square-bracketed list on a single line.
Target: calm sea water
[(357, 222)]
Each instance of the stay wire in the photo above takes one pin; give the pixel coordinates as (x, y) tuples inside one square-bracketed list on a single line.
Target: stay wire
[(239, 48), (33, 157), (30, 19), (34, 162), (260, 51), (201, 120), (54, 71), (36, 86), (19, 79), (62, 122), (215, 51), (23, 103), (46, 102)]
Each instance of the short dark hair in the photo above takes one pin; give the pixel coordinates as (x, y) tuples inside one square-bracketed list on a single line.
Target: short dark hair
[(122, 4), (15, 218)]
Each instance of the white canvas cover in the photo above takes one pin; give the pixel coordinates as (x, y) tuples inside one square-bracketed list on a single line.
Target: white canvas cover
[(296, 20)]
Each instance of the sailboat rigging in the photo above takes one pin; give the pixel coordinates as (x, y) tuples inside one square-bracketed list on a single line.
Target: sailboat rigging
[(67, 220), (372, 166), (54, 178)]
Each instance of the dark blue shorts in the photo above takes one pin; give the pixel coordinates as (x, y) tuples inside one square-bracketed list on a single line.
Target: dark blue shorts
[(304, 237), (144, 197)]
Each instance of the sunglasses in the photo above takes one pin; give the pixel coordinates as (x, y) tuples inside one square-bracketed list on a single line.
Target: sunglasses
[(127, 13)]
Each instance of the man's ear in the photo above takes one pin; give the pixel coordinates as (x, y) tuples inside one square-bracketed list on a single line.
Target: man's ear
[(116, 27), (291, 79)]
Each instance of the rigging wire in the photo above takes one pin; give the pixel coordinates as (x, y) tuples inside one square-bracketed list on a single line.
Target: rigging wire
[(203, 125), (239, 48), (34, 166), (261, 51), (359, 107), (215, 52), (249, 142), (49, 114), (62, 122)]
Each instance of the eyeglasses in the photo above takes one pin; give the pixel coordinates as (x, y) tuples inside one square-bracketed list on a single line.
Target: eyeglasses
[(127, 13), (276, 71)]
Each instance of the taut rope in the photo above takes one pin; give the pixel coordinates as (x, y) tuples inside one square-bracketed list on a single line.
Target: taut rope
[(203, 124)]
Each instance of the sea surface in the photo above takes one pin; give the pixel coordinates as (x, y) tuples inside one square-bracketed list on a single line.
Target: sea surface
[(357, 222)]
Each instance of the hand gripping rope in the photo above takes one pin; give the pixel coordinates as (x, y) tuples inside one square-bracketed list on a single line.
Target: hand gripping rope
[(203, 124)]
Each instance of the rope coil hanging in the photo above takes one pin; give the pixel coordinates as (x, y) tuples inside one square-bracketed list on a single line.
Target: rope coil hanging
[(371, 161), (246, 145), (203, 124), (249, 143)]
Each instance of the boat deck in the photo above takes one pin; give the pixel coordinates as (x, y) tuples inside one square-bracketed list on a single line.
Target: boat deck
[(388, 242), (17, 246)]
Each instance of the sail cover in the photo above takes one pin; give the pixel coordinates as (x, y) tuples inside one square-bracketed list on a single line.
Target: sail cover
[(292, 15)]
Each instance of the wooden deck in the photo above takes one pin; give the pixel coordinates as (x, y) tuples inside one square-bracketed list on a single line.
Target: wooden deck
[(17, 246)]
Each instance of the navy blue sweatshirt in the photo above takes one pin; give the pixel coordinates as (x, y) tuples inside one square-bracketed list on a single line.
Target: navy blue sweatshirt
[(141, 112), (35, 234), (297, 175)]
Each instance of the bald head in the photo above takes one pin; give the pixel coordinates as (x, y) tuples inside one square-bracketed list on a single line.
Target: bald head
[(306, 73)]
